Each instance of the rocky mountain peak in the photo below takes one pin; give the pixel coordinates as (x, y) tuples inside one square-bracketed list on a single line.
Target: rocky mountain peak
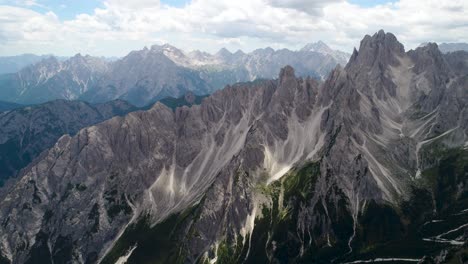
[(223, 53), (78, 58), (318, 46), (429, 58), (322, 48), (381, 48), (430, 46), (286, 73), (42, 70), (166, 49), (382, 45), (239, 53), (52, 60), (354, 55), (173, 53)]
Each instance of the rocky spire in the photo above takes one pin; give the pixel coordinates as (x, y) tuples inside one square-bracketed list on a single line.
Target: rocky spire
[(286, 73), (382, 48), (369, 67)]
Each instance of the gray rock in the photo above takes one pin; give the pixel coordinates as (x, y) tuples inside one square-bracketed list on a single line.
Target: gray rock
[(28, 131)]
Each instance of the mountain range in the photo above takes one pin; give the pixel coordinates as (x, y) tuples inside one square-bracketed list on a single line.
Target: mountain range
[(13, 64), (452, 47), (148, 75), (369, 165), (52, 79)]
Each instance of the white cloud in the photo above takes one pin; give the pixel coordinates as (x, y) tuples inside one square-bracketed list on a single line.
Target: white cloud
[(313, 7), (26, 2), (123, 25)]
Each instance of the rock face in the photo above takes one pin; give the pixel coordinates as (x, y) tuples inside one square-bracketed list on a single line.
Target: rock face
[(364, 166), (145, 76), (28, 131)]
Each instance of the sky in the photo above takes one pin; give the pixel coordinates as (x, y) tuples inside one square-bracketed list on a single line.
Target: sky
[(116, 27)]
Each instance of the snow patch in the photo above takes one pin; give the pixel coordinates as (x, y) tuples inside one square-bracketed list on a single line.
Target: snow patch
[(215, 258), (462, 212), (451, 231), (444, 241), (123, 259), (355, 220), (439, 238), (248, 228)]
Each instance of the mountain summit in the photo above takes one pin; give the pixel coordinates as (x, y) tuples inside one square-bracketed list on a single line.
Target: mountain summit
[(323, 48)]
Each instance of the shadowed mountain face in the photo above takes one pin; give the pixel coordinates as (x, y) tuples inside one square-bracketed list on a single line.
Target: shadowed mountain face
[(189, 99), (149, 75), (28, 131), (370, 164)]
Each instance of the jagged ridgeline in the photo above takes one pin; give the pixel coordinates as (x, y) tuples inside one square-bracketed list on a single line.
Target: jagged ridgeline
[(371, 164)]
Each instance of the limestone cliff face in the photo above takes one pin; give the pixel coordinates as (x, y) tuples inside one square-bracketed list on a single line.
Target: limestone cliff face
[(274, 171)]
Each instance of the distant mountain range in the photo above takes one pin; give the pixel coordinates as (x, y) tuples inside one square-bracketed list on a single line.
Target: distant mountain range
[(158, 72), (450, 47), (52, 79), (12, 64)]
